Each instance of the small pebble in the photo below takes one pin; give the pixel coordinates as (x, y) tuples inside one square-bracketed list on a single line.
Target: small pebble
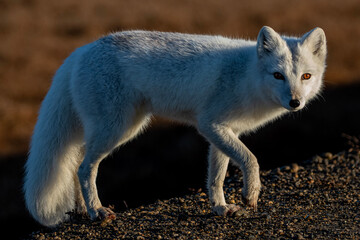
[(241, 213), (328, 155), (295, 167)]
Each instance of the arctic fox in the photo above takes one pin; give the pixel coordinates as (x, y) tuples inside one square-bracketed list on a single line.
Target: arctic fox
[(106, 92)]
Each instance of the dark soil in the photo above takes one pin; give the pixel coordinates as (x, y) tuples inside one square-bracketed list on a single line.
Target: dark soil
[(317, 199)]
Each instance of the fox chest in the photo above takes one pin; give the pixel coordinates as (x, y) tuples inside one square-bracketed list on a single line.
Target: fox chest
[(250, 121)]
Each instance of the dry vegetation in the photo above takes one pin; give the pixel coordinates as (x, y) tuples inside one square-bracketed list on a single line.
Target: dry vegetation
[(36, 36)]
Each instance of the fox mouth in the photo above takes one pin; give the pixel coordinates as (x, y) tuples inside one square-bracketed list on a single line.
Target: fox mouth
[(294, 109)]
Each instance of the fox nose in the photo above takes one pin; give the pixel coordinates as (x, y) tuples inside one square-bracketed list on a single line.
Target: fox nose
[(294, 103)]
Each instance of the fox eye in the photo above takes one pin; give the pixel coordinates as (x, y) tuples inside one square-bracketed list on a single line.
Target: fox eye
[(306, 76), (279, 76)]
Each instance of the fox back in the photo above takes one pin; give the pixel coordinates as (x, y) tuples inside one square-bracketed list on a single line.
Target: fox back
[(176, 75)]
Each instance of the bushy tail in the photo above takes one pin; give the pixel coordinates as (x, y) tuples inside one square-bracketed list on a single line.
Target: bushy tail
[(55, 155)]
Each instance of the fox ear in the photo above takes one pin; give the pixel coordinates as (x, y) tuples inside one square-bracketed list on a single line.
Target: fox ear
[(315, 40), (268, 41)]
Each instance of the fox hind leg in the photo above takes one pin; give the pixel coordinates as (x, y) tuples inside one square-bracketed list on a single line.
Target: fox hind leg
[(104, 135), (80, 206)]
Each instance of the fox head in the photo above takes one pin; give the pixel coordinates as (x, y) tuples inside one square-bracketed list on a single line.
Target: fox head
[(292, 68)]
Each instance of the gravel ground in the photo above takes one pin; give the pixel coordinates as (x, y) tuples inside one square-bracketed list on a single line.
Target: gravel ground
[(317, 199)]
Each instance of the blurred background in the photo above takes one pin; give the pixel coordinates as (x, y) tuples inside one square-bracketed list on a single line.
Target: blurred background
[(168, 160)]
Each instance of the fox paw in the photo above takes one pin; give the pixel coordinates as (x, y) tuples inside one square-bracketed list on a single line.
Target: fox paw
[(229, 210), (250, 198), (80, 209), (103, 213)]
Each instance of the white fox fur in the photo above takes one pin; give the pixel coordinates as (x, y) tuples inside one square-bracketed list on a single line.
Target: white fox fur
[(106, 92)]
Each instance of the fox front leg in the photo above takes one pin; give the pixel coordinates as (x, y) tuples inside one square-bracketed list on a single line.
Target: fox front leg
[(225, 140), (218, 163)]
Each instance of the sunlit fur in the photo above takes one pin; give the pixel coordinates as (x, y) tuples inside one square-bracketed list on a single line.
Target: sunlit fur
[(106, 92)]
